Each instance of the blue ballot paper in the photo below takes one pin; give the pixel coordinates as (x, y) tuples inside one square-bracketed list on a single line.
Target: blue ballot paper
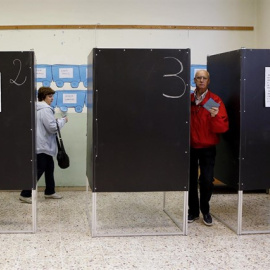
[(210, 103)]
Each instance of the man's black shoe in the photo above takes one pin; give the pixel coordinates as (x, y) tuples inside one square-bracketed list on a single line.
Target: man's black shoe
[(207, 219), (192, 218)]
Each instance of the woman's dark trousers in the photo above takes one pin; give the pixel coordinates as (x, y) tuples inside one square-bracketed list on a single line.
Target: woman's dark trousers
[(45, 164)]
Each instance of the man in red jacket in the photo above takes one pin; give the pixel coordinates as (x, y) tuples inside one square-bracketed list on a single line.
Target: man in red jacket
[(208, 119)]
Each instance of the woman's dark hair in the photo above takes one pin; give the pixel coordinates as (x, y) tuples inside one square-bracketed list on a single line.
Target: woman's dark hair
[(43, 92)]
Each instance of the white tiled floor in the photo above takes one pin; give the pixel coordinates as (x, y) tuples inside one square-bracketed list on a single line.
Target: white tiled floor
[(63, 239)]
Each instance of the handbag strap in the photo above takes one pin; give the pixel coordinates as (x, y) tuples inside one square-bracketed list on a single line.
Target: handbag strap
[(57, 141), (58, 129), (61, 144)]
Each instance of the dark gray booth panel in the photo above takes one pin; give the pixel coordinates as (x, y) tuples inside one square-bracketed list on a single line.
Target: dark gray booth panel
[(238, 77), (17, 118), (139, 137)]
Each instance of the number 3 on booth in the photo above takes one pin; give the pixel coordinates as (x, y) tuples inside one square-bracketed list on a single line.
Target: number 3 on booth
[(181, 90)]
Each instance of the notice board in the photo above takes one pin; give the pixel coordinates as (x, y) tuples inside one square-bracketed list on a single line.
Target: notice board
[(17, 118), (138, 128)]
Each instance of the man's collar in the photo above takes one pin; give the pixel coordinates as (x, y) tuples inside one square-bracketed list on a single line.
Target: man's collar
[(201, 97)]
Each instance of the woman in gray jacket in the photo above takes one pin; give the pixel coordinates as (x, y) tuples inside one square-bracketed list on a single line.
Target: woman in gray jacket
[(46, 147)]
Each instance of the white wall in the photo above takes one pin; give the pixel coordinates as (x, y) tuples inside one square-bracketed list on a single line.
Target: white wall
[(263, 24), (198, 12), (73, 46)]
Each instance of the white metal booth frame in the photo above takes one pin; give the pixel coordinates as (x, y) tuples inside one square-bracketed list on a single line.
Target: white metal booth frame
[(239, 229), (93, 221), (34, 218)]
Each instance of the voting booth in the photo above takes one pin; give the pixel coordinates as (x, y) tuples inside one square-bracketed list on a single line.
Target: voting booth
[(138, 126), (242, 79), (17, 118)]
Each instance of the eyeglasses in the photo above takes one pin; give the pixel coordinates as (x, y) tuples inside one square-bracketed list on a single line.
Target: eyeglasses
[(201, 77)]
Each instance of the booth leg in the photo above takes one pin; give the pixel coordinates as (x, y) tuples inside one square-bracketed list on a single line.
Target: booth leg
[(185, 213), (94, 214), (34, 210), (240, 212)]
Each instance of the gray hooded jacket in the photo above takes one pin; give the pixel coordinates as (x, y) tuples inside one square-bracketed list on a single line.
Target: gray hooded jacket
[(47, 129)]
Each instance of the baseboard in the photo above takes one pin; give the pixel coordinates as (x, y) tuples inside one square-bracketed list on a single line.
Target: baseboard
[(59, 189)]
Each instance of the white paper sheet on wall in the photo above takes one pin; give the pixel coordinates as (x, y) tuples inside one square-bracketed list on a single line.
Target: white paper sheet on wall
[(41, 73), (69, 98), (65, 73), (267, 87)]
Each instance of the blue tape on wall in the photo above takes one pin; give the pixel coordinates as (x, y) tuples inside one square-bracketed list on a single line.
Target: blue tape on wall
[(71, 99), (60, 74), (66, 73)]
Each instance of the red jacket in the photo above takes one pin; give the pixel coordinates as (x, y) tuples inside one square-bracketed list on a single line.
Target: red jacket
[(204, 129)]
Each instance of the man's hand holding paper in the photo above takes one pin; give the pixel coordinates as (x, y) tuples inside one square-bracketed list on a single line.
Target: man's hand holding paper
[(212, 107)]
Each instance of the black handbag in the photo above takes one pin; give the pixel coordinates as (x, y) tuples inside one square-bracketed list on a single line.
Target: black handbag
[(62, 157)]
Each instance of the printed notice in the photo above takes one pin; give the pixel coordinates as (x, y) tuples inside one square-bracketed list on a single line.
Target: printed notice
[(0, 93), (41, 73), (65, 73), (69, 98), (267, 87)]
